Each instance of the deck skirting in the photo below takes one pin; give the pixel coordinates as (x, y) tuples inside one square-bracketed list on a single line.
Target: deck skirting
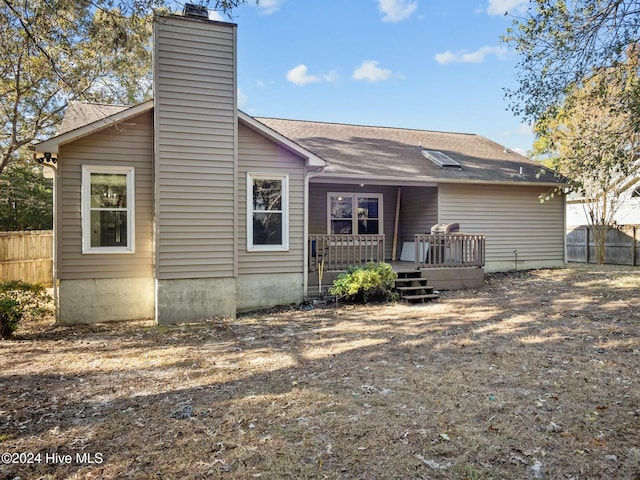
[(453, 278)]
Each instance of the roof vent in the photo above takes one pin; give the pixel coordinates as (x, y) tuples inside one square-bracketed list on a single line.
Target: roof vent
[(195, 11), (440, 159)]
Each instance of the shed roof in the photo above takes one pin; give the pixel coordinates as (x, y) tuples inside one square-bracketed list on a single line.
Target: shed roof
[(383, 152)]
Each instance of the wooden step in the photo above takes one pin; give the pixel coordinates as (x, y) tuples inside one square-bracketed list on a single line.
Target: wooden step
[(405, 275), (420, 281), (417, 288), (422, 298), (413, 288)]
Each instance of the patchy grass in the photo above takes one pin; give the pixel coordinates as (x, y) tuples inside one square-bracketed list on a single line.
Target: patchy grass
[(534, 375)]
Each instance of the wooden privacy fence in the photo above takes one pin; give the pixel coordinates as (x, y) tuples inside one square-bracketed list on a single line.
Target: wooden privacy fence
[(622, 245), (27, 256)]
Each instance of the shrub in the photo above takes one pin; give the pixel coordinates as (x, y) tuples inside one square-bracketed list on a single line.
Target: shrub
[(371, 282), (19, 300)]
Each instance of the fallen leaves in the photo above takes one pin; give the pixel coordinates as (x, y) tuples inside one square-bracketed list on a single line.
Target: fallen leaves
[(517, 379)]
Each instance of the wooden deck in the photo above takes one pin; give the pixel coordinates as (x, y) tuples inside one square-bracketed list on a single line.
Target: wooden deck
[(445, 261), (403, 267), (445, 278)]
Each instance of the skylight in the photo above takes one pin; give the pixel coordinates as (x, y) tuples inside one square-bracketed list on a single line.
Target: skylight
[(440, 159)]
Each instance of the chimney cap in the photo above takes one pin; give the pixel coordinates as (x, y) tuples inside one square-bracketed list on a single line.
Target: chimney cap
[(195, 11)]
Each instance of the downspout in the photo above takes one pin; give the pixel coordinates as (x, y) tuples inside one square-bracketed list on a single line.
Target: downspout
[(56, 229), (564, 222), (50, 161), (307, 176)]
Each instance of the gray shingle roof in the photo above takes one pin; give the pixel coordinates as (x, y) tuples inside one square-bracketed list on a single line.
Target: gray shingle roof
[(380, 152), (79, 114), (356, 150)]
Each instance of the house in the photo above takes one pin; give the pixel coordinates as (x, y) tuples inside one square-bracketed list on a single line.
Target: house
[(627, 209), (183, 207)]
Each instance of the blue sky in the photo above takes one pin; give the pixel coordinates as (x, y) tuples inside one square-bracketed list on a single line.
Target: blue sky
[(425, 64)]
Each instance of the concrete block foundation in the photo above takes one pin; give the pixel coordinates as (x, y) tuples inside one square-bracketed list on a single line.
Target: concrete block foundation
[(104, 299), (192, 300), (523, 264), (268, 290)]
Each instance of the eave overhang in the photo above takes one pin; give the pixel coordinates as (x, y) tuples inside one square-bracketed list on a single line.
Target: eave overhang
[(52, 145), (311, 159)]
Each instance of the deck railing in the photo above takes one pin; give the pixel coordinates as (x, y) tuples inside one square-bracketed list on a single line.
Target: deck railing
[(339, 252), (449, 250)]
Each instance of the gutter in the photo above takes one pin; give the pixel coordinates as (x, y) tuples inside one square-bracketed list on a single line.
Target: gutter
[(426, 181)]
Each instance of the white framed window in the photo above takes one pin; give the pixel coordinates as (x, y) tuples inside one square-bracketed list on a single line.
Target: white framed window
[(267, 212), (354, 213), (108, 214)]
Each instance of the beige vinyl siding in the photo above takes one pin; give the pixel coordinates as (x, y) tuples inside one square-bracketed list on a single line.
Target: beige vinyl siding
[(128, 145), (512, 218), (418, 212), (318, 207), (195, 115), (256, 154)]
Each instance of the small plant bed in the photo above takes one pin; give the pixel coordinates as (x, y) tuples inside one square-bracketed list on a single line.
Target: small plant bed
[(373, 282), (21, 301)]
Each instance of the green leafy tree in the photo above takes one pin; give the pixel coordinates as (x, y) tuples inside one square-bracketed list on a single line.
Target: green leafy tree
[(577, 82), (562, 44), (26, 198), (55, 51), (592, 141)]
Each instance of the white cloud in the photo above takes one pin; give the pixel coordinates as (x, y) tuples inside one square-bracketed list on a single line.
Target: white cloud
[(370, 71), (499, 7), (332, 76), (522, 151), (299, 75), (445, 57), (477, 56), (396, 10), (214, 15), (243, 100), (267, 7)]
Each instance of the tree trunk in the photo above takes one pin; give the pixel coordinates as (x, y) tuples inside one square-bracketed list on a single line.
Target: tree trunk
[(600, 238)]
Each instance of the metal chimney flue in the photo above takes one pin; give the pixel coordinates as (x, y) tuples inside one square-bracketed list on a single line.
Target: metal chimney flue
[(195, 11)]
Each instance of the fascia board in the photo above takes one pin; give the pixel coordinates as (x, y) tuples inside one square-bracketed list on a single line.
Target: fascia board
[(312, 160), (53, 144)]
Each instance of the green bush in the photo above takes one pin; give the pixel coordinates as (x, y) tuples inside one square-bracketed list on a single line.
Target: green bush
[(20, 300), (371, 282)]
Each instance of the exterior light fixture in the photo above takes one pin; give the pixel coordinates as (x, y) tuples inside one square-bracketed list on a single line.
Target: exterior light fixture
[(47, 158)]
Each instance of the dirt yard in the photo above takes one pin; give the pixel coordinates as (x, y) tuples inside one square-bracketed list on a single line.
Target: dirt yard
[(535, 375)]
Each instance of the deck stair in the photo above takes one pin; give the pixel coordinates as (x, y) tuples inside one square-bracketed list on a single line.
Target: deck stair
[(413, 288)]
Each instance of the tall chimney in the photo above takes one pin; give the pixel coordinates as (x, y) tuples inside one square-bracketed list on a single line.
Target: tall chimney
[(195, 135)]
